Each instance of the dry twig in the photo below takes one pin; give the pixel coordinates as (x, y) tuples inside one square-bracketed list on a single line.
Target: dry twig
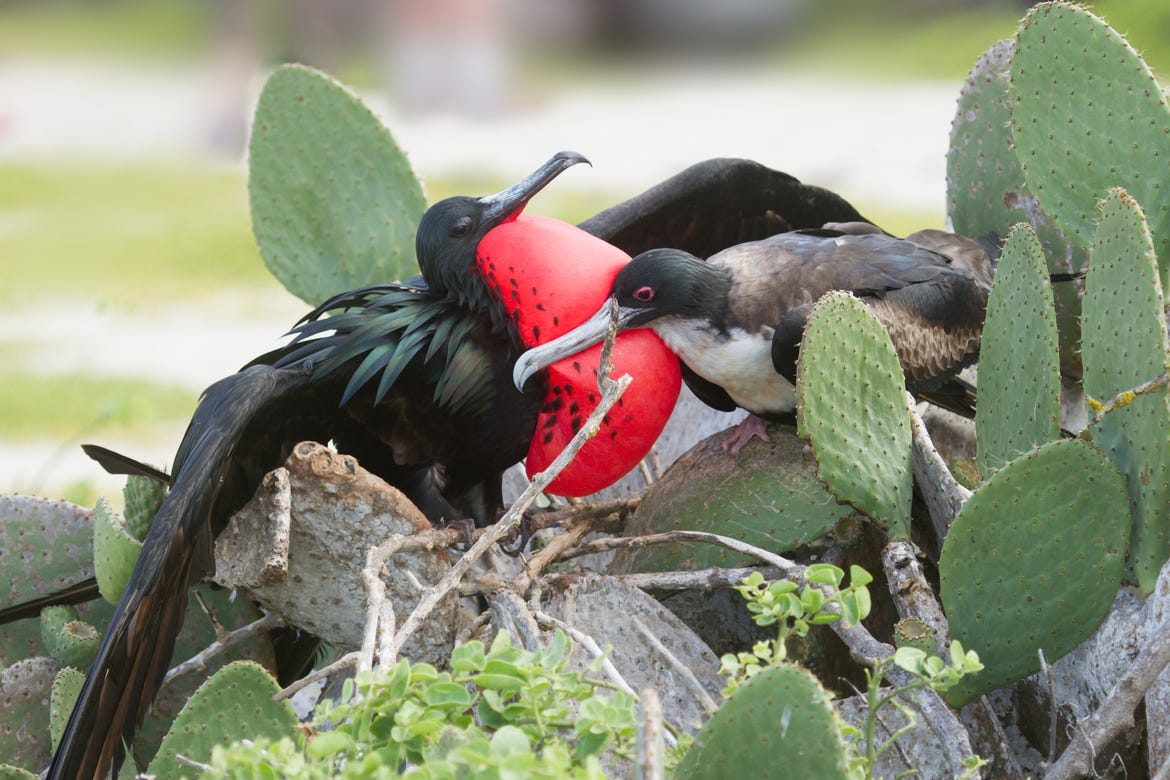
[(225, 641)]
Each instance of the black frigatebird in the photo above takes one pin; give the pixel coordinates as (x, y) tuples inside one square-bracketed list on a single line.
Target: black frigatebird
[(413, 379), (709, 206), (736, 320)]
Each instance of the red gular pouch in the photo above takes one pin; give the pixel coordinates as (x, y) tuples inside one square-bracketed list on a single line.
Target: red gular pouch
[(551, 277)]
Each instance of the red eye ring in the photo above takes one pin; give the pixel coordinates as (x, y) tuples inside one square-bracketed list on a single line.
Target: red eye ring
[(644, 294)]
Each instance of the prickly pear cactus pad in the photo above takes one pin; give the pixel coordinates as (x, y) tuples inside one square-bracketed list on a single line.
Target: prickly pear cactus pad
[(45, 545), (71, 641), (983, 174), (768, 495), (115, 551), (235, 703), (851, 406), (24, 712), (1125, 345), (67, 687), (1033, 561), (334, 201), (779, 724), (141, 498), (1019, 375), (986, 191), (1088, 115)]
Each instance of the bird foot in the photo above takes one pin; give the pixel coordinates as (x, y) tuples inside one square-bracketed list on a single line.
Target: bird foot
[(519, 538), (750, 426), (467, 526)]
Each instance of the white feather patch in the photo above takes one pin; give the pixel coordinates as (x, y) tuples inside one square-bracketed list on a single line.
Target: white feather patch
[(740, 362)]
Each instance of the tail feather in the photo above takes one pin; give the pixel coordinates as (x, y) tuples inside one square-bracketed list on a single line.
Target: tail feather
[(81, 592), (136, 650), (117, 463)]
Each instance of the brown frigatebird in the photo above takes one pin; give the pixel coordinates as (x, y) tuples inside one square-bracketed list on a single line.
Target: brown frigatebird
[(736, 320)]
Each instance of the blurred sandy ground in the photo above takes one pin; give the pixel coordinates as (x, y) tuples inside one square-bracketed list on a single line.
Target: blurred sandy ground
[(448, 85), (448, 80)]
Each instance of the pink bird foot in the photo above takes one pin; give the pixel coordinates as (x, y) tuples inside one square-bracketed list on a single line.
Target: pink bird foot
[(748, 427)]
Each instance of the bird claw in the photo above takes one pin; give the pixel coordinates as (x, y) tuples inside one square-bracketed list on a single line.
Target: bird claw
[(519, 537), (467, 526), (748, 427)]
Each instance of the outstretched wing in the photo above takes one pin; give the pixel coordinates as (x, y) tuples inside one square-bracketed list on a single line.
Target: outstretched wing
[(716, 204)]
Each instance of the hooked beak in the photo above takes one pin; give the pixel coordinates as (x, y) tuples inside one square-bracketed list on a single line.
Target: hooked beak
[(506, 205), (591, 331)]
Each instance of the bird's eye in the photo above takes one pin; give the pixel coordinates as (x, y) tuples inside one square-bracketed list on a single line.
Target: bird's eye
[(644, 294), (461, 227)]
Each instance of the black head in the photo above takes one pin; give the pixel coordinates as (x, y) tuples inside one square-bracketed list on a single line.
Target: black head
[(658, 283), (664, 282), (450, 231)]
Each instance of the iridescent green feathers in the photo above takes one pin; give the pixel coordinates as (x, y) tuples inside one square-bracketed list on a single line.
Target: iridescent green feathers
[(386, 328)]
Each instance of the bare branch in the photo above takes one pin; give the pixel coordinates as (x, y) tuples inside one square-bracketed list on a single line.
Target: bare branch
[(1126, 397), (789, 569), (703, 579), (943, 495), (913, 596), (226, 641), (651, 757), (1116, 713), (347, 661), (512, 517)]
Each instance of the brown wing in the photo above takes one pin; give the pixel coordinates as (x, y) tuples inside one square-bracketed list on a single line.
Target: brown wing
[(933, 311), (717, 204)]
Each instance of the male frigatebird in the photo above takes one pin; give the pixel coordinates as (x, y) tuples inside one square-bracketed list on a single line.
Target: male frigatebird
[(709, 206), (736, 320), (440, 351), (413, 379)]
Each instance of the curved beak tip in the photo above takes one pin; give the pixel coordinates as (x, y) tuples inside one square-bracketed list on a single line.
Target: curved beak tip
[(572, 157), (520, 373)]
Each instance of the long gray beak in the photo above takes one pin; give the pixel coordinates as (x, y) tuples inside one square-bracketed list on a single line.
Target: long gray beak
[(591, 331), (512, 200)]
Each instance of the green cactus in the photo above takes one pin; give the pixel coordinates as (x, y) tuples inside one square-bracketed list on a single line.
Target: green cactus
[(67, 687), (141, 498), (235, 703), (71, 641), (986, 192), (334, 201), (8, 772), (115, 551), (1087, 116), (1126, 345), (779, 724), (24, 712), (914, 632), (768, 496), (1019, 376), (851, 406), (45, 545), (1033, 561)]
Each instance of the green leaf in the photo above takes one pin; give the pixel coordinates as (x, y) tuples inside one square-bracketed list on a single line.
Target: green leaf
[(824, 574)]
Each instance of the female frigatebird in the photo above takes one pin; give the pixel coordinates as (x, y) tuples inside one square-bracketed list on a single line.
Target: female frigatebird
[(736, 320)]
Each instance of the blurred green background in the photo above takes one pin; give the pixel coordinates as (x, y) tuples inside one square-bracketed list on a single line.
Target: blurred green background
[(128, 275)]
